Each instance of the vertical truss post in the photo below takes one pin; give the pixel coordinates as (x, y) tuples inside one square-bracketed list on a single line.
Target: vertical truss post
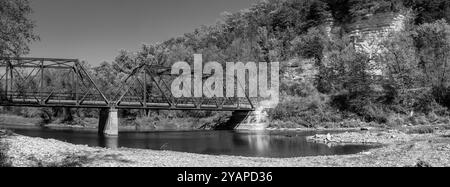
[(238, 102), (11, 81), (145, 89), (7, 81), (145, 111), (77, 99), (41, 89)]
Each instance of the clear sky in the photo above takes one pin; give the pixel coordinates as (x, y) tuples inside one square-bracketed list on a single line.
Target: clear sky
[(96, 30)]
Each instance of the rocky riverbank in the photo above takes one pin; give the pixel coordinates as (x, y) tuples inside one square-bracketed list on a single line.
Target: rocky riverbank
[(400, 150), (362, 138)]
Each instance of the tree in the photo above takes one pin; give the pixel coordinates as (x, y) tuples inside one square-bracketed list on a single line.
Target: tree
[(429, 11), (365, 7), (433, 44), (346, 69), (310, 45), (400, 62), (16, 28)]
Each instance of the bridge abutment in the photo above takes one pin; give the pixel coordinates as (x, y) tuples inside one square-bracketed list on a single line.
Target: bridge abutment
[(108, 124), (246, 120), (254, 120)]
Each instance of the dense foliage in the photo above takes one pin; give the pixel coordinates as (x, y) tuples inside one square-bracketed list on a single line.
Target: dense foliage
[(16, 28), (282, 30), (414, 63)]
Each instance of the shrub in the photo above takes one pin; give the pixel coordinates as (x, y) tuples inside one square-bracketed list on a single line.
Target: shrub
[(300, 89), (442, 95), (396, 121), (305, 111), (374, 112), (422, 130), (364, 105), (283, 124), (424, 103)]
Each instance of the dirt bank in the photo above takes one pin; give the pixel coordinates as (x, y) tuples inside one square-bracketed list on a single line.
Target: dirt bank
[(401, 150)]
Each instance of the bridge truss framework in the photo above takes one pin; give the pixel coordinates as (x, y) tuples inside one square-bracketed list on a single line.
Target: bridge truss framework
[(28, 82)]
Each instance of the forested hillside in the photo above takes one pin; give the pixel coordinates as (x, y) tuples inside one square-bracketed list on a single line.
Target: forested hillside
[(316, 36)]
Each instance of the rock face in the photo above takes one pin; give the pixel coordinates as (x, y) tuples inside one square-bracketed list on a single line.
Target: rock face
[(369, 32)]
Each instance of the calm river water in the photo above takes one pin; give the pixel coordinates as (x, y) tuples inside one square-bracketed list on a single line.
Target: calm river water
[(251, 144)]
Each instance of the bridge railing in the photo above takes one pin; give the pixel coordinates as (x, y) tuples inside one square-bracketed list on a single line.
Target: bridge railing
[(52, 99)]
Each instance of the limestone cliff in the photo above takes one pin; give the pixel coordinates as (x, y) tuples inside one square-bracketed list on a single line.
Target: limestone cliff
[(370, 31)]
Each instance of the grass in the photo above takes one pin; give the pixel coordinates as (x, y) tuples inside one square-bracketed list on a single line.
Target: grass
[(3, 158), (4, 161), (70, 160)]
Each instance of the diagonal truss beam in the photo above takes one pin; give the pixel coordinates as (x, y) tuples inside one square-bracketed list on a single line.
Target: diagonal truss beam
[(18, 74)]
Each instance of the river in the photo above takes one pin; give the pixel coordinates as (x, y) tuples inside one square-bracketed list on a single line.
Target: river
[(269, 144)]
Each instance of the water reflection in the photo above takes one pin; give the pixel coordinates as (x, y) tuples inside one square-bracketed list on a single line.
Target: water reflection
[(252, 144), (257, 142), (108, 142)]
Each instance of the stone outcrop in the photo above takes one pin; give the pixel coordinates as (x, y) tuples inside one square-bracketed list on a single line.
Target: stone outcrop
[(369, 32)]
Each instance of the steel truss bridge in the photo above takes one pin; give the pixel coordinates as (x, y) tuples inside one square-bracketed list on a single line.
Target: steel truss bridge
[(30, 82)]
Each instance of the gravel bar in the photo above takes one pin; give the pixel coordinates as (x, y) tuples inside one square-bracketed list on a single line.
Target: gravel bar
[(400, 150)]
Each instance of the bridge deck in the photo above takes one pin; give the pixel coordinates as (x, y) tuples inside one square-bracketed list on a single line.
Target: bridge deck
[(123, 105)]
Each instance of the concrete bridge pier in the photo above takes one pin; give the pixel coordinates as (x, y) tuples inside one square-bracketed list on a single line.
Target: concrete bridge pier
[(108, 124)]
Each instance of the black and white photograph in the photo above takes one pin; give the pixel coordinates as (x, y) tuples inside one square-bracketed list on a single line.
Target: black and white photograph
[(224, 84)]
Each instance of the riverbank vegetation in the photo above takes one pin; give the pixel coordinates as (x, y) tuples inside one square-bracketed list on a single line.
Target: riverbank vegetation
[(327, 80)]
